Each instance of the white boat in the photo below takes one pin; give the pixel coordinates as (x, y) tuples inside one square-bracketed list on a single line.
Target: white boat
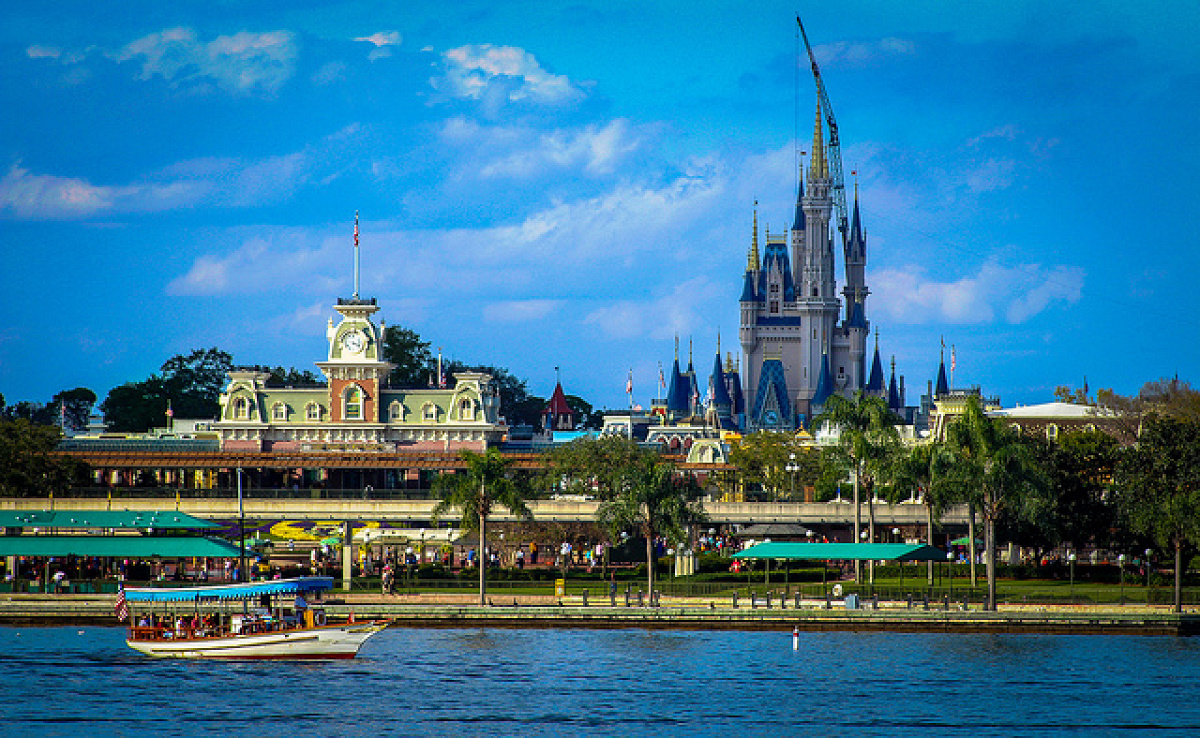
[(218, 622)]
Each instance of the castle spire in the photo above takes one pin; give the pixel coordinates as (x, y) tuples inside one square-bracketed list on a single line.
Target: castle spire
[(753, 261), (818, 168)]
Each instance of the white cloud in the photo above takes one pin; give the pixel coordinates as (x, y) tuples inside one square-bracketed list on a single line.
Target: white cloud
[(520, 311), (383, 41), (243, 63), (660, 318), (1017, 293), (522, 153), (858, 54), (498, 74), (43, 196), (43, 52)]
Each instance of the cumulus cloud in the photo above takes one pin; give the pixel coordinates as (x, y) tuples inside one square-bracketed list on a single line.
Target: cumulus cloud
[(211, 181), (382, 40), (520, 153), (43, 52), (520, 311), (862, 53), (1011, 293), (242, 63), (661, 317), (500, 74)]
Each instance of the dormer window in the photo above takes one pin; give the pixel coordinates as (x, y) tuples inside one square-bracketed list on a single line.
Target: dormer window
[(279, 412), (396, 411), (312, 412), (241, 409), (466, 410), (429, 413)]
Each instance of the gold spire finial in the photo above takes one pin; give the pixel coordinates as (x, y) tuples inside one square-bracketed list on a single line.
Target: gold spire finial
[(818, 168), (753, 261)]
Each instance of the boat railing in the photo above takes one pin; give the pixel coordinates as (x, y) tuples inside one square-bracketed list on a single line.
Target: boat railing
[(243, 627)]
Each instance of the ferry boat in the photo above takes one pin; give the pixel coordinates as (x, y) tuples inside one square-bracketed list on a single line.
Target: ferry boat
[(256, 620)]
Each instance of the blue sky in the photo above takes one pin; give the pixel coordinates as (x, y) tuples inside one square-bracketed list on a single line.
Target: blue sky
[(551, 184)]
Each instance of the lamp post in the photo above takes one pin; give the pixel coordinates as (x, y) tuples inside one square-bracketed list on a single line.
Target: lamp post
[(1148, 552), (1071, 561), (896, 538), (1121, 575), (950, 565), (767, 568), (792, 467)]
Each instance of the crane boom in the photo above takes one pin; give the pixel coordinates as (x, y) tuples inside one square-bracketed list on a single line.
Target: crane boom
[(835, 146)]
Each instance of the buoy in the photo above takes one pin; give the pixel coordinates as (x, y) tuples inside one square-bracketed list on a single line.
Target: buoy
[(796, 638)]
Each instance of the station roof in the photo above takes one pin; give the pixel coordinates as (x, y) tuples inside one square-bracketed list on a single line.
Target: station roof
[(128, 546), (119, 519), (843, 551)]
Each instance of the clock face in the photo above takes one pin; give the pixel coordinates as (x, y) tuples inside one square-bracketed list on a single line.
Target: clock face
[(353, 342)]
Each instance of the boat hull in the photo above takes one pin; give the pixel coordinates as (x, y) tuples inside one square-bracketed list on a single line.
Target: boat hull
[(329, 642)]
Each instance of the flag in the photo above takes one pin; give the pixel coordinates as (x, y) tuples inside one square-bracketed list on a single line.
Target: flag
[(629, 383), (170, 413), (121, 609), (662, 381), (356, 229), (953, 361)]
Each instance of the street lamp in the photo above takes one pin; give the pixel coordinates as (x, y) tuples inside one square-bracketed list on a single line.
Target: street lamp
[(1148, 552), (1121, 574), (950, 565), (896, 537), (792, 467), (1071, 559)]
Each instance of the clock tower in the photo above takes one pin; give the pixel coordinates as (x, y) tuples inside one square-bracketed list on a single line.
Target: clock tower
[(355, 369)]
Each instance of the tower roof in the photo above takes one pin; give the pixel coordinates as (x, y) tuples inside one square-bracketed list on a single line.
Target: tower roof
[(942, 387), (824, 383), (798, 222), (875, 383), (720, 393), (856, 234), (558, 402), (893, 390), (818, 168)]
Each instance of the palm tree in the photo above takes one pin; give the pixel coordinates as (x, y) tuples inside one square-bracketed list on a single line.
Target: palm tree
[(991, 465), (867, 442), (919, 469), (487, 481), (654, 499)]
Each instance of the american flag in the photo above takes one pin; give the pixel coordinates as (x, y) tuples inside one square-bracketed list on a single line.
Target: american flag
[(629, 383), (953, 361), (121, 609)]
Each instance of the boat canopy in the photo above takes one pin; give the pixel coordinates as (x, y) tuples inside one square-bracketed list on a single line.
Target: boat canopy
[(245, 591)]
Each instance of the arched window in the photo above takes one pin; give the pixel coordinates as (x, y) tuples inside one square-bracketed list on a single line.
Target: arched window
[(313, 411), (466, 409), (241, 408), (279, 412), (353, 400), (396, 411), (1052, 432), (429, 412)]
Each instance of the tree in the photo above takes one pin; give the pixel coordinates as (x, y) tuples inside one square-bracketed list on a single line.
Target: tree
[(1063, 393), (194, 382), (867, 443), (920, 469), (591, 466), (74, 406), (586, 416), (1158, 484), (411, 356), (488, 481), (293, 377), (653, 499), (190, 386), (34, 412), (992, 466), (1170, 397), (763, 459), (136, 407), (29, 466)]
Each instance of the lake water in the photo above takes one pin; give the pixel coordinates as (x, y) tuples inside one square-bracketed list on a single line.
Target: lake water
[(80, 682)]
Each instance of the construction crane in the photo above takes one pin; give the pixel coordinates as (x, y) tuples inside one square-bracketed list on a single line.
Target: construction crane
[(835, 146)]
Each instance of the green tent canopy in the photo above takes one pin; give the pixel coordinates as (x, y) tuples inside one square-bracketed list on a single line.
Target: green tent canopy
[(133, 547), (842, 551)]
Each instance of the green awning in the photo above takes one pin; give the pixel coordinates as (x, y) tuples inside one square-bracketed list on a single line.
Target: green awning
[(120, 519), (966, 541), (842, 551), (131, 547)]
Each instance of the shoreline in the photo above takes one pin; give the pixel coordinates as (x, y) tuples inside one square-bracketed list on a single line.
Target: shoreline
[(673, 613)]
